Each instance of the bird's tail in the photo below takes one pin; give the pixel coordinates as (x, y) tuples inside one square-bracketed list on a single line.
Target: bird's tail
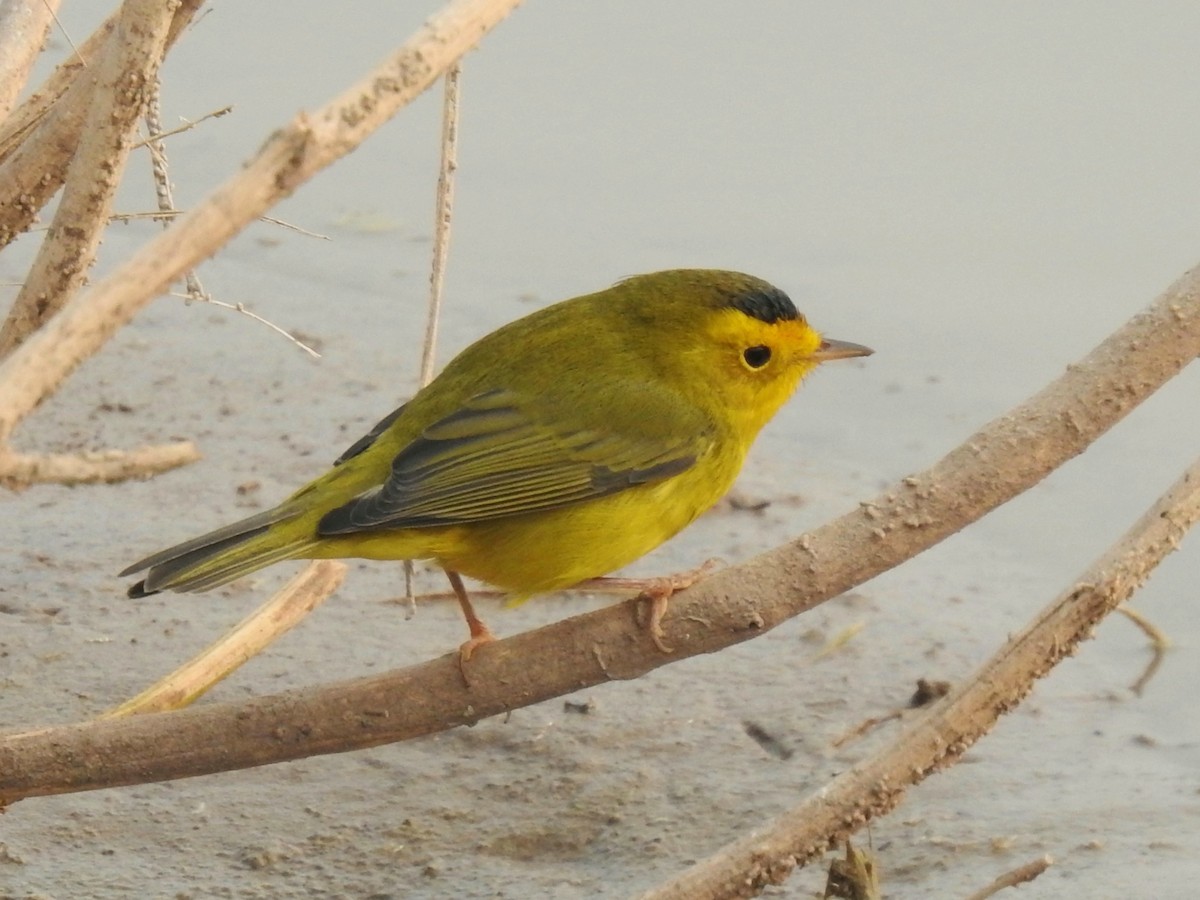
[(221, 556)]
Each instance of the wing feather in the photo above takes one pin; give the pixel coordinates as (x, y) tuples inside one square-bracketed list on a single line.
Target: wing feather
[(492, 458)]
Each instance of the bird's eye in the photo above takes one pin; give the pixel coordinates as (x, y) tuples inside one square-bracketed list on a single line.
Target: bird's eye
[(757, 357)]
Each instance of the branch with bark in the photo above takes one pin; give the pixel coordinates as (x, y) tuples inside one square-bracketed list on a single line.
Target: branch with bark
[(1000, 461), (943, 734), (125, 79), (24, 25), (40, 139), (291, 156)]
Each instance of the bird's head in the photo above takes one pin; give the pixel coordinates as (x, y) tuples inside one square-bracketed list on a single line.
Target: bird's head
[(732, 340)]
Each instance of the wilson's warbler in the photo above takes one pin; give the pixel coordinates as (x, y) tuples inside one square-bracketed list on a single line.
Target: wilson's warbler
[(558, 448)]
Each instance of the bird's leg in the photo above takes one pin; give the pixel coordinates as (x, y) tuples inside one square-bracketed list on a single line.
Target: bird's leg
[(655, 592), (480, 633)]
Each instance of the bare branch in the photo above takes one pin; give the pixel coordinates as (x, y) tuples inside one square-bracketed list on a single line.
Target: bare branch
[(941, 736), (97, 467), (441, 226), (292, 155), (1018, 876), (125, 79), (26, 117), (39, 139), (443, 212), (1006, 457), (1159, 645), (241, 308), (156, 135), (277, 616), (24, 25)]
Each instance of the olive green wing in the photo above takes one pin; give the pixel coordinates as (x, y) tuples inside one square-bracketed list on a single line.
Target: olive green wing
[(492, 458), (371, 436)]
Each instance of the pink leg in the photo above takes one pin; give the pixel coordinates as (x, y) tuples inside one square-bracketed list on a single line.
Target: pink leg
[(480, 633)]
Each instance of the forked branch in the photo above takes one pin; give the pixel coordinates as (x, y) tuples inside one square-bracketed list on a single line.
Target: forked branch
[(290, 156)]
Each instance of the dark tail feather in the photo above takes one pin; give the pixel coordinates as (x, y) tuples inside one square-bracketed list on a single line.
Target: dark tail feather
[(220, 556)]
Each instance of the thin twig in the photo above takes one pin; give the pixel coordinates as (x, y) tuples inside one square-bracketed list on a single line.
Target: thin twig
[(442, 218), (169, 214), (241, 308), (443, 213), (277, 616), (304, 231), (66, 34), (161, 215), (1159, 645), (163, 192), (188, 124), (1020, 875)]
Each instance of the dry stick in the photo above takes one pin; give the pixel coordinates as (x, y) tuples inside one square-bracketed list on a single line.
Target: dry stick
[(443, 213), (24, 25), (1018, 876), (290, 156), (280, 614), (244, 310), (39, 139), (165, 197), (22, 120), (157, 135), (1006, 457), (941, 736), (288, 606), (166, 216), (97, 467), (1159, 645), (163, 193), (125, 79)]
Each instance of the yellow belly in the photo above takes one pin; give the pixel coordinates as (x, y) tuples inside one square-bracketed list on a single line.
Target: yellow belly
[(554, 549)]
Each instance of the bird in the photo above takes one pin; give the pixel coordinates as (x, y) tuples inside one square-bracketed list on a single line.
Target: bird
[(554, 450)]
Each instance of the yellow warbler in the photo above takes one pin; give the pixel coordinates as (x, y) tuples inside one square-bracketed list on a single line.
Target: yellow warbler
[(558, 448)]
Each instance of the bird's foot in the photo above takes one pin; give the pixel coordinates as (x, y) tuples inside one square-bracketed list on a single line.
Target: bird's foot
[(479, 637), (655, 593)]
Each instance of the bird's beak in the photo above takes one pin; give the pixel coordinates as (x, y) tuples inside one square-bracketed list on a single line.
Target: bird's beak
[(831, 349)]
